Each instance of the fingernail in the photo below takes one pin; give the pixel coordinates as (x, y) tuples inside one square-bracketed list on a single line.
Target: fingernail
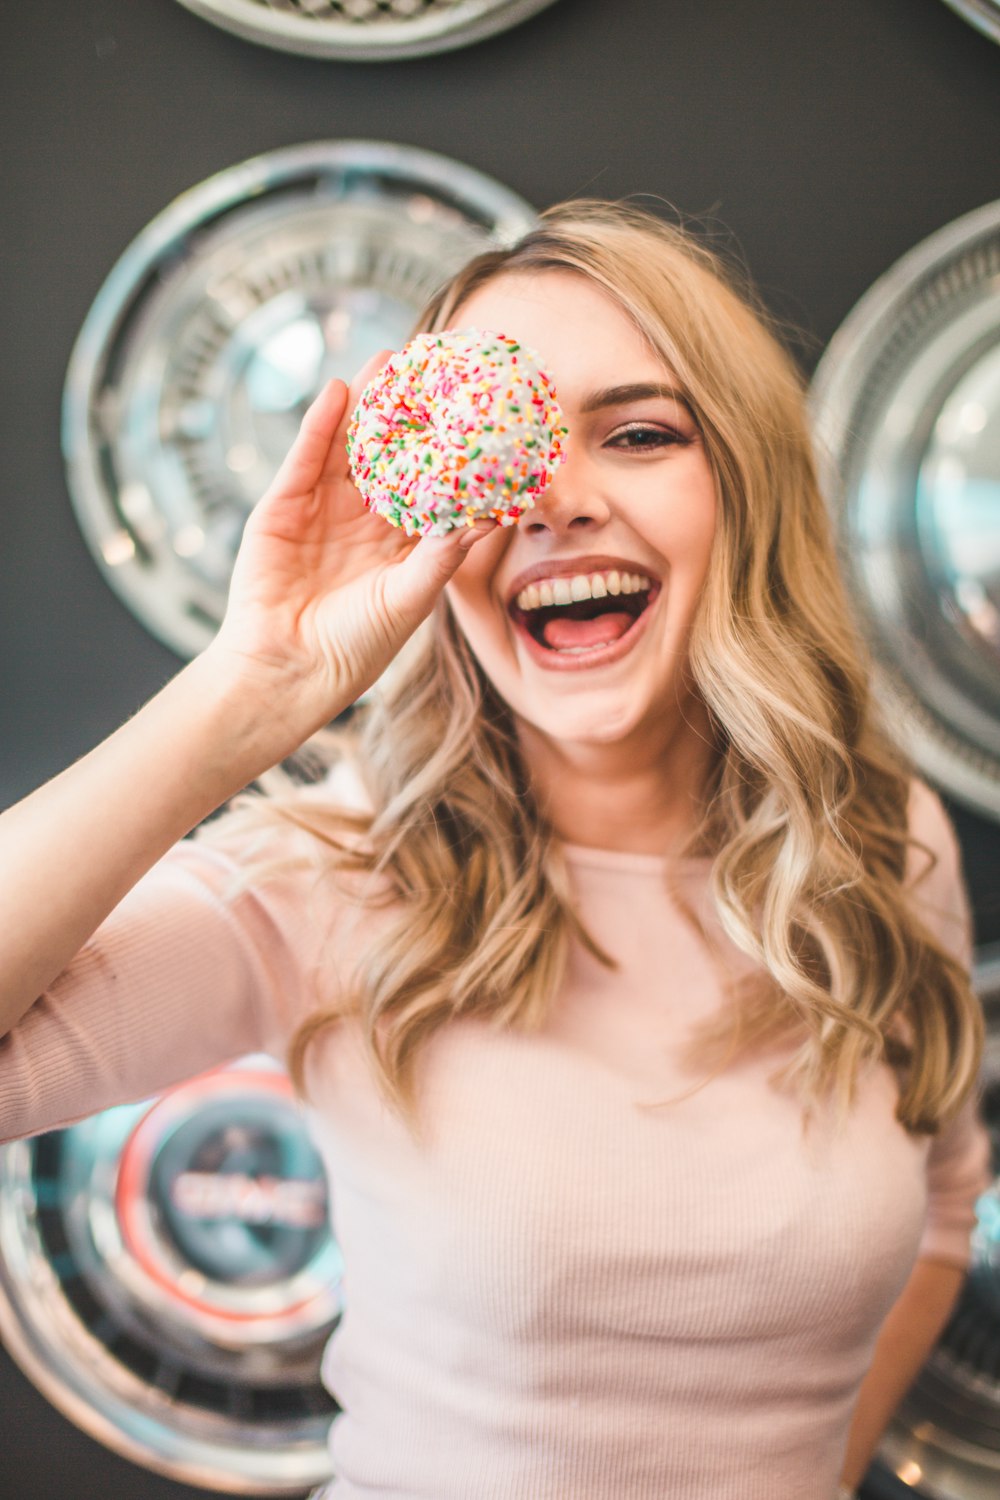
[(474, 532)]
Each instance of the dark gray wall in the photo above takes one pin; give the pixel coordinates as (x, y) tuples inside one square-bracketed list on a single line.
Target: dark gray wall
[(824, 137)]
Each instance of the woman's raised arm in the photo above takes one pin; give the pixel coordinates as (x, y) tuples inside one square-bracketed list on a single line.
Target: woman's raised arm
[(323, 596)]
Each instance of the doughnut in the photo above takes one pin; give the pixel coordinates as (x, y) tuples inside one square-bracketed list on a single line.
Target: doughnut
[(457, 426)]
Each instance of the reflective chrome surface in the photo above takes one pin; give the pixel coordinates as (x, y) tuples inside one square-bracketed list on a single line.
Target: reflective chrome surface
[(983, 14), (365, 30), (218, 325), (945, 1439), (906, 403), (168, 1279)]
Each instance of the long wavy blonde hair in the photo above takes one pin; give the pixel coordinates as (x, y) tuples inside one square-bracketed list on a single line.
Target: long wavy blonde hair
[(805, 810)]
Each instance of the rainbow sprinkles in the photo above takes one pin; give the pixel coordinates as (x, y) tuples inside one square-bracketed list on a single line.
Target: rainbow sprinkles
[(457, 426)]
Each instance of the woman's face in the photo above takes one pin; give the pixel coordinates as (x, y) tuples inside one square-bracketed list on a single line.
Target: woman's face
[(626, 527)]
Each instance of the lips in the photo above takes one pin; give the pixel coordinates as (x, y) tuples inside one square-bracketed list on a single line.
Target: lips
[(583, 612)]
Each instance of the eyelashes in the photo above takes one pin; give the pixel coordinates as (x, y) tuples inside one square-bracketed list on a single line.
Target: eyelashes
[(643, 437)]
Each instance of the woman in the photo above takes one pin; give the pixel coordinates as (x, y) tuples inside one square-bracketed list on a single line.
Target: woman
[(622, 959)]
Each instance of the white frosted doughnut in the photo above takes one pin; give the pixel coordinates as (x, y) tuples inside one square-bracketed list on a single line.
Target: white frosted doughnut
[(456, 426)]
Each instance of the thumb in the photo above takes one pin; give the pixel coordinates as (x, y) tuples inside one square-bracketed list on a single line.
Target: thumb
[(416, 581)]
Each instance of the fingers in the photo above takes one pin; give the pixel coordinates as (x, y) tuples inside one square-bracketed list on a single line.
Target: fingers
[(446, 553), (471, 534), (415, 583), (317, 451), (306, 460)]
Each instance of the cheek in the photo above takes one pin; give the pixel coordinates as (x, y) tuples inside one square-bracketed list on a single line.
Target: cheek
[(481, 623), (471, 591), (686, 530)]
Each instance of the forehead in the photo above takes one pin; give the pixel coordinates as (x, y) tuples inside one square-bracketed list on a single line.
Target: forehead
[(583, 338)]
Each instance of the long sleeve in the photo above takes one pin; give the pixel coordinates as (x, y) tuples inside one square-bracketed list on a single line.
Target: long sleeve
[(958, 1162), (183, 975)]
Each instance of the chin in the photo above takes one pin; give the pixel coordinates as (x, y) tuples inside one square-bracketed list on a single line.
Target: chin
[(593, 723)]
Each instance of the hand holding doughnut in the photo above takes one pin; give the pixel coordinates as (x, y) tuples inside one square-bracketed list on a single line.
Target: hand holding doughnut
[(458, 426), (323, 594)]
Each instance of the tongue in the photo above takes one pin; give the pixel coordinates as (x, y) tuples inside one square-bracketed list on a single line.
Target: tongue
[(562, 632)]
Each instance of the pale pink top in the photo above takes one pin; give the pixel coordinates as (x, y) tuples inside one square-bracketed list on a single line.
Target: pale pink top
[(561, 1295)]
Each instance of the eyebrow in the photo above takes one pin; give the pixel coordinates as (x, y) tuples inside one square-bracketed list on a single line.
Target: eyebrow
[(620, 395)]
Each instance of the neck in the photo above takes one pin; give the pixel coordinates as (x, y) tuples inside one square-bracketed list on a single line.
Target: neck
[(640, 795)]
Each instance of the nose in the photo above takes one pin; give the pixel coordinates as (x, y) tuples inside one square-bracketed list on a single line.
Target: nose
[(571, 503)]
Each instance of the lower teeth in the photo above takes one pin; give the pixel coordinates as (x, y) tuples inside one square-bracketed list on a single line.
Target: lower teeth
[(575, 650)]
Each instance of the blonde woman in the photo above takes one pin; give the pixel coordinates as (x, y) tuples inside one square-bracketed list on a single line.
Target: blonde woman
[(621, 958)]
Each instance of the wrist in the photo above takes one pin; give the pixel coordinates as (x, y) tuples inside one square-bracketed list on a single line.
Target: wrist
[(259, 717)]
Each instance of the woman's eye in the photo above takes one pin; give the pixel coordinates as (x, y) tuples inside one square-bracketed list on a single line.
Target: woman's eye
[(639, 435)]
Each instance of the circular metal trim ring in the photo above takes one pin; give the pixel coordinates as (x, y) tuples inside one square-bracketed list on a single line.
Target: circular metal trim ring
[(849, 395), (456, 23), (950, 1466), (984, 15), (76, 1358), (302, 217), (944, 1440)]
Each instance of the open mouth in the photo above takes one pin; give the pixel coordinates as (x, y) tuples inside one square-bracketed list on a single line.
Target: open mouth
[(585, 615)]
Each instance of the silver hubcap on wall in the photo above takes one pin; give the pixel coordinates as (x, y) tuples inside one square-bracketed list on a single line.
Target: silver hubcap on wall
[(907, 407), (168, 1279), (366, 30), (945, 1439), (217, 327), (983, 14)]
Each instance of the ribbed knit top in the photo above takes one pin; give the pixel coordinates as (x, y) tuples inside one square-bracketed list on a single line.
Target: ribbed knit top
[(569, 1289)]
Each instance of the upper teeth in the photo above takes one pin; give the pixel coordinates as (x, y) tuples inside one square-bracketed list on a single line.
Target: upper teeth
[(549, 591)]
